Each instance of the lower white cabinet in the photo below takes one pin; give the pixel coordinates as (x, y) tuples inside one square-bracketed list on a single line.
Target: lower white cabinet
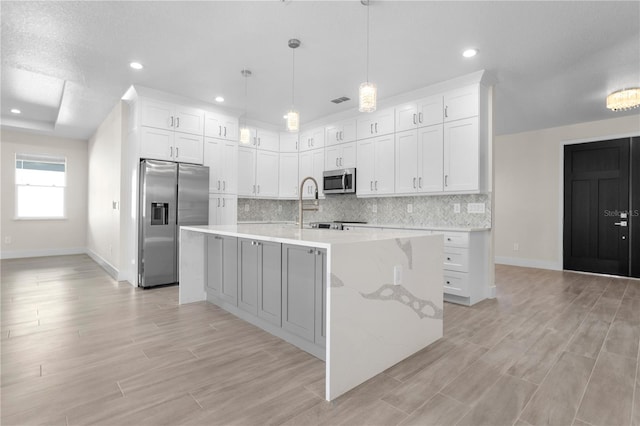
[(303, 292), (222, 269), (288, 182), (246, 171), (223, 209), (311, 164), (461, 155), (376, 166)]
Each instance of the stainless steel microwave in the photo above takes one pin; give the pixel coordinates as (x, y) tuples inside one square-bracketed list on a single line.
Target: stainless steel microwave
[(342, 181)]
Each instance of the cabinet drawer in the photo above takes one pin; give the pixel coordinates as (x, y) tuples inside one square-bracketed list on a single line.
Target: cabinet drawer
[(456, 259), (456, 239), (456, 283)]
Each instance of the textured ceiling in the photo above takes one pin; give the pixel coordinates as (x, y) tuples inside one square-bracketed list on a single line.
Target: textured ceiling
[(65, 64)]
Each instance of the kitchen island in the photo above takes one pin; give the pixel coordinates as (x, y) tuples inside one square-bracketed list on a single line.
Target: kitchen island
[(362, 300)]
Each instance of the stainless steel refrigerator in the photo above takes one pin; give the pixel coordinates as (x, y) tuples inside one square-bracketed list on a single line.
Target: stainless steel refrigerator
[(171, 195)]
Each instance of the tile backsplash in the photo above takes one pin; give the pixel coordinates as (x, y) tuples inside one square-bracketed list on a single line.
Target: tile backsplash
[(436, 210)]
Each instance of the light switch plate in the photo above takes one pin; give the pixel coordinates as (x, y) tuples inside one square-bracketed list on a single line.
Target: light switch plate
[(475, 208), (246, 207), (374, 208), (409, 208), (456, 208)]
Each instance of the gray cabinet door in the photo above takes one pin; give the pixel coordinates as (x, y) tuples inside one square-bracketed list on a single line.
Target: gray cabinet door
[(321, 297), (270, 283), (248, 266), (298, 290), (222, 268)]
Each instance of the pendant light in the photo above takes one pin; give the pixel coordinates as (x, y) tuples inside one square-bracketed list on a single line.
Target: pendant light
[(245, 133), (293, 117), (368, 93)]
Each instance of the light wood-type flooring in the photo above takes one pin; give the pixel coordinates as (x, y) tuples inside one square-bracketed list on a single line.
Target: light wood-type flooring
[(79, 348)]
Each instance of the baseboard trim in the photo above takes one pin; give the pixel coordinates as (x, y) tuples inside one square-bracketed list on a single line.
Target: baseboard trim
[(20, 254), (528, 263), (104, 264)]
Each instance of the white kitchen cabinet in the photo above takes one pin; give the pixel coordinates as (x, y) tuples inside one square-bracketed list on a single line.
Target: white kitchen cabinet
[(265, 139), (340, 156), (288, 142), (461, 155), (221, 156), (311, 164), (425, 112), (179, 118), (376, 124), (246, 171), (312, 139), (419, 160), (462, 103), (167, 145), (223, 209), (267, 174), (220, 126), (376, 166), (288, 181), (342, 132)]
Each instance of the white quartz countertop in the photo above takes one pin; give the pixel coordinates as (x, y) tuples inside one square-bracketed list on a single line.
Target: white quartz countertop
[(291, 234), (388, 226)]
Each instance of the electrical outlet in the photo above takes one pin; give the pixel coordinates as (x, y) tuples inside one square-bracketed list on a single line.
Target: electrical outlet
[(397, 275), (409, 208), (374, 208), (516, 246), (475, 208), (246, 207), (456, 208), (8, 240)]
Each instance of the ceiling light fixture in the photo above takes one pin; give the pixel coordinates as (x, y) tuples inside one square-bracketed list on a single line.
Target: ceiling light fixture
[(470, 53), (136, 65), (368, 93), (623, 100), (15, 111), (245, 133), (293, 117), (219, 99)]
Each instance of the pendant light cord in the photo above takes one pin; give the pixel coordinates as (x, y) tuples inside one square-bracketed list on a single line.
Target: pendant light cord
[(246, 79), (368, 5), (293, 76)]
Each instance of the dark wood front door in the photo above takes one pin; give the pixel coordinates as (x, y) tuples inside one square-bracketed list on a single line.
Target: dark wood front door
[(596, 207)]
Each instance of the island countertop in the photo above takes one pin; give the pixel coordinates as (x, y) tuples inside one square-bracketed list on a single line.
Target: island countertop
[(292, 234)]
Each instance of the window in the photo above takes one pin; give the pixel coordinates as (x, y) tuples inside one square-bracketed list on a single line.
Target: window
[(40, 183)]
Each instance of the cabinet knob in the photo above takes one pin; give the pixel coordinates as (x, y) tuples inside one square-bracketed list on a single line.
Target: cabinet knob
[(448, 258), (310, 251), (448, 282)]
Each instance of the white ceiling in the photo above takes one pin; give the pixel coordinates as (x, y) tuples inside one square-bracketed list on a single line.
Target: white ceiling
[(65, 64)]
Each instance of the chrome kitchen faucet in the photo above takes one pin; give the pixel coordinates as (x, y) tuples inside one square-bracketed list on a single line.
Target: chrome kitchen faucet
[(312, 205)]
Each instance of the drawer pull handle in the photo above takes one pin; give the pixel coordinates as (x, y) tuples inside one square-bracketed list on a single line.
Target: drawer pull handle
[(448, 282), (448, 239), (448, 258)]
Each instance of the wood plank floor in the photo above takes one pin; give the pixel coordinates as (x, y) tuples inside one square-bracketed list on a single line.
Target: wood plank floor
[(79, 348)]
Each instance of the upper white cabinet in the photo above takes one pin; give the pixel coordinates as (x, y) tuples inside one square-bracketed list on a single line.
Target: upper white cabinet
[(342, 132), (340, 156), (462, 156), (220, 126), (419, 160), (288, 182), (376, 124), (462, 103), (311, 164), (179, 118), (288, 142), (312, 139), (246, 171), (376, 166), (222, 158), (425, 112)]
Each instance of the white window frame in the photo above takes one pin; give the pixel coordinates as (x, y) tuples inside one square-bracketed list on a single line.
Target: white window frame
[(40, 158)]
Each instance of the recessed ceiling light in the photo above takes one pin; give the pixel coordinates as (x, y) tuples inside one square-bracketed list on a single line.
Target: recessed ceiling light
[(285, 116), (219, 99), (470, 53), (15, 111), (136, 65)]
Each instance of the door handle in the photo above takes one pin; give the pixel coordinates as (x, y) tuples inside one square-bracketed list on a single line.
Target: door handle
[(419, 117), (177, 152), (371, 184), (224, 185), (376, 127), (258, 189), (621, 223), (225, 131), (414, 119), (445, 180), (336, 161), (171, 151), (446, 112), (172, 121), (177, 121), (371, 128), (341, 135), (223, 202), (254, 189), (218, 202), (344, 181), (219, 130), (218, 185), (337, 133), (296, 145), (420, 182), (414, 182), (376, 185)]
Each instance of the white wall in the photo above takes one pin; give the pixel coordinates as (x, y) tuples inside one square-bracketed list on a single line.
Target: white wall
[(528, 189), (43, 237), (104, 189)]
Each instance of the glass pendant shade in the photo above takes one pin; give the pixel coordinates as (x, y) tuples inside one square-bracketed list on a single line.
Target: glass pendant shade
[(245, 135), (293, 121), (624, 99), (367, 97)]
